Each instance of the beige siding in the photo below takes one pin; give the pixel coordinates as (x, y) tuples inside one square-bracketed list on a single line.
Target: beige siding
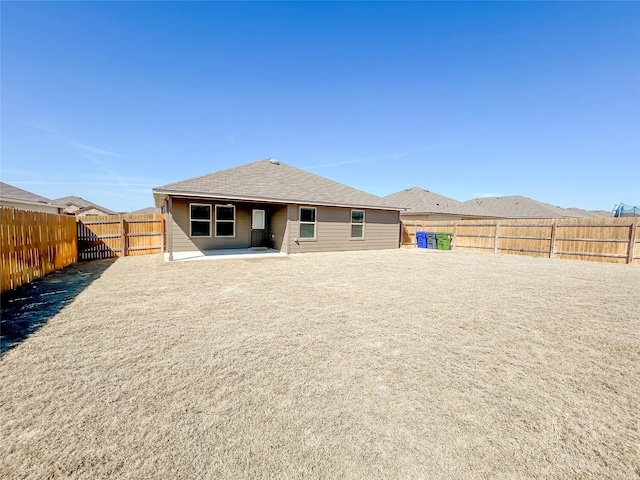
[(181, 225), (277, 224), (91, 212), (29, 207), (333, 231)]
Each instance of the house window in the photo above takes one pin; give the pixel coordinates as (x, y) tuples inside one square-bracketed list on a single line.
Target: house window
[(357, 223), (225, 220), (308, 222), (200, 217)]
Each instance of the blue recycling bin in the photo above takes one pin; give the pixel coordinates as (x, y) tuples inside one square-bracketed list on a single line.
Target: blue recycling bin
[(421, 239)]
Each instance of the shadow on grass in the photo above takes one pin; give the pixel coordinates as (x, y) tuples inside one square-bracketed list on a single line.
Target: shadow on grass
[(27, 308)]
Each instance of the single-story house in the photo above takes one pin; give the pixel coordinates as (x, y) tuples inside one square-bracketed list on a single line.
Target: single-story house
[(81, 208), (14, 197), (270, 204), (423, 205)]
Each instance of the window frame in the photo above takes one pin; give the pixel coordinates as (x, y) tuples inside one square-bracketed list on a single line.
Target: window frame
[(351, 223), (233, 222), (191, 220), (314, 223)]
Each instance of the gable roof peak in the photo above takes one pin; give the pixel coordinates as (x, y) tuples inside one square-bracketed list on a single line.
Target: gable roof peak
[(270, 180)]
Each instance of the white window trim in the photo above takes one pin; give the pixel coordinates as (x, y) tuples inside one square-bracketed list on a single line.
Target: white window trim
[(351, 224), (225, 221), (264, 218), (315, 225), (191, 220)]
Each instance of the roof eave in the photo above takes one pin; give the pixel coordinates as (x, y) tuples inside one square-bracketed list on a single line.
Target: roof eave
[(30, 202), (161, 194)]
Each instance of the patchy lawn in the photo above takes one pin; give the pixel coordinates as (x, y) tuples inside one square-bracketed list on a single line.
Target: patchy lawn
[(390, 364)]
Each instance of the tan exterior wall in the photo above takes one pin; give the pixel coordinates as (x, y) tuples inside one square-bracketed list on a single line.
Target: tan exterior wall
[(91, 212), (181, 228), (277, 225), (28, 207), (72, 209), (333, 231)]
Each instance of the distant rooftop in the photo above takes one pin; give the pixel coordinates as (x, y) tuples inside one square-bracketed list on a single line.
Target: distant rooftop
[(517, 206), (147, 211), (81, 205), (9, 192), (419, 200)]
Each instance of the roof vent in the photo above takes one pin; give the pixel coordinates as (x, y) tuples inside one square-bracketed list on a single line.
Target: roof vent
[(274, 161)]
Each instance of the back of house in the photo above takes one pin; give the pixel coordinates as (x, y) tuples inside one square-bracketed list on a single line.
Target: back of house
[(270, 204)]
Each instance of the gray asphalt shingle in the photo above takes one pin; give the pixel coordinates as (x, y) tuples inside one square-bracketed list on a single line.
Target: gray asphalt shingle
[(270, 180), (419, 200), (10, 192)]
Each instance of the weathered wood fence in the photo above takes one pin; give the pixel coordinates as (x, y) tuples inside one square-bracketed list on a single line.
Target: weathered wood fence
[(34, 244), (595, 239), (107, 236)]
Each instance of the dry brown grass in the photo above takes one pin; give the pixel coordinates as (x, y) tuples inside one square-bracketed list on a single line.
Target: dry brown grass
[(391, 364)]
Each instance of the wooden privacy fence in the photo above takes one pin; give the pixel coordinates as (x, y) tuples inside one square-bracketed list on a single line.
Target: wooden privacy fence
[(107, 236), (595, 239), (34, 244)]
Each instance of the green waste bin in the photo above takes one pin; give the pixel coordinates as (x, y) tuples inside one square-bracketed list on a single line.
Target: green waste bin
[(444, 240)]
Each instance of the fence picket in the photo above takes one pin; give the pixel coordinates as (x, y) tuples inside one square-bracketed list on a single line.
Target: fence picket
[(107, 236), (594, 239), (33, 244)]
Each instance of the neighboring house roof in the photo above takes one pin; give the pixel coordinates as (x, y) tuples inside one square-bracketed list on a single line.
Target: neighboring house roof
[(418, 200), (271, 181), (147, 211), (517, 206), (589, 213), (81, 205), (601, 213), (15, 194)]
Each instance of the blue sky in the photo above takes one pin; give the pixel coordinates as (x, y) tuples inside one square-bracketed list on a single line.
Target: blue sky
[(106, 100)]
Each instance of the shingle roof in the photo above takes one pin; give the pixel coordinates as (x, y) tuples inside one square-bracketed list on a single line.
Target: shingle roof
[(9, 192), (82, 204), (589, 213), (517, 206), (271, 181), (419, 200), (147, 211)]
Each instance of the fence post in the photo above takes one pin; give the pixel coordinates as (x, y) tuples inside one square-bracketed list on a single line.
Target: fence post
[(632, 241), (123, 232), (495, 242), (552, 243), (455, 230)]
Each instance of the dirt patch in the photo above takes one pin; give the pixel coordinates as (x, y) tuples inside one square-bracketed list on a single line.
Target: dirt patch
[(390, 364), (29, 307)]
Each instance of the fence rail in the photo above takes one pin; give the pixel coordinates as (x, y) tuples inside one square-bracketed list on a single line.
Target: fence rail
[(593, 239), (33, 244), (107, 236)]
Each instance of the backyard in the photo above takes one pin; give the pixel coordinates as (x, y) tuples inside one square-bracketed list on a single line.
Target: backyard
[(402, 363)]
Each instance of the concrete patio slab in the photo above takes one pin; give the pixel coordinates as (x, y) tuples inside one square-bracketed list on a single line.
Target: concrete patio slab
[(228, 253)]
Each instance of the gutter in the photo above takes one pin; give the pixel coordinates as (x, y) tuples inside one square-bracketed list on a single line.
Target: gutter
[(174, 193)]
